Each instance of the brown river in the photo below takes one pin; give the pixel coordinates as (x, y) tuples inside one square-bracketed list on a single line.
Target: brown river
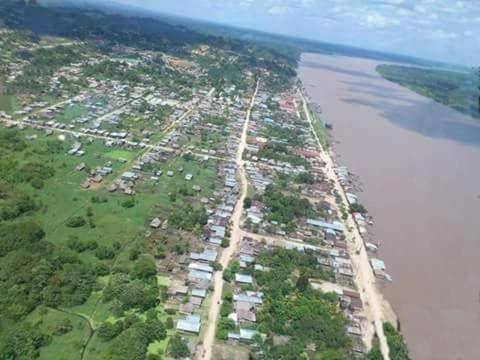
[(419, 166)]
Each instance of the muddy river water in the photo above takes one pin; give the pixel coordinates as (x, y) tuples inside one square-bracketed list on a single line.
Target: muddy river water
[(419, 165)]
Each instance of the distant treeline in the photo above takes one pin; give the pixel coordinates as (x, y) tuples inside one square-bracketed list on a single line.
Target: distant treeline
[(458, 90)]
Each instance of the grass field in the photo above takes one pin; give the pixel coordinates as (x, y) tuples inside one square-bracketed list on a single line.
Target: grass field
[(62, 198), (121, 154), (71, 112), (64, 347)]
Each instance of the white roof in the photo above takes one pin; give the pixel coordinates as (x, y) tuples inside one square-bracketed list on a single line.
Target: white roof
[(241, 278)]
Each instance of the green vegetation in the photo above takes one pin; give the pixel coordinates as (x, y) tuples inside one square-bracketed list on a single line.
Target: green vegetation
[(292, 307), (396, 344), (55, 267), (280, 152), (458, 90), (358, 208), (290, 135), (286, 209), (120, 154), (177, 348), (320, 129), (42, 63)]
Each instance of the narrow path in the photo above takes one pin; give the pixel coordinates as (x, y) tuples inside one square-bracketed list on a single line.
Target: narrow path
[(364, 276), (235, 238)]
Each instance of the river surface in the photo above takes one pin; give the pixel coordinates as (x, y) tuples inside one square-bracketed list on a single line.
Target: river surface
[(419, 165)]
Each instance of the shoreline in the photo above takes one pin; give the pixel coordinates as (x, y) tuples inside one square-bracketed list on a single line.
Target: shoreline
[(416, 161), (377, 308)]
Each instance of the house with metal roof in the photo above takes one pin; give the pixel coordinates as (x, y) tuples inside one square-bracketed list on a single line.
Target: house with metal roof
[(191, 324), (246, 335), (200, 267), (201, 293), (202, 275), (207, 255), (336, 225), (243, 279)]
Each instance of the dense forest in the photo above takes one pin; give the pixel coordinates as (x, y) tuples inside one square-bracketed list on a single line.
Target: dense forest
[(458, 90)]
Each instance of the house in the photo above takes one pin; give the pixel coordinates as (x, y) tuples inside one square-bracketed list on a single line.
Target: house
[(201, 267), (80, 166), (200, 293), (86, 184), (243, 279), (188, 177), (201, 275), (207, 255), (155, 223), (129, 176), (245, 312), (178, 290), (97, 178), (245, 335), (247, 258), (191, 324), (252, 298), (336, 225), (111, 188), (218, 231)]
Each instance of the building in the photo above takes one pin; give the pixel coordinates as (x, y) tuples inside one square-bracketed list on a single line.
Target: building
[(337, 226), (243, 279), (155, 223), (191, 324), (129, 176)]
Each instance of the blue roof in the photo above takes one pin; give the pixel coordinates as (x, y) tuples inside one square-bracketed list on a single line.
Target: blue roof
[(199, 274)]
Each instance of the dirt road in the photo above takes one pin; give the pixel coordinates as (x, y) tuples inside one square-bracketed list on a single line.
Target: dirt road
[(364, 277), (235, 238)]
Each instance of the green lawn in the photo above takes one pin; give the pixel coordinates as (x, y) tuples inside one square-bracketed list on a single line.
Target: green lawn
[(121, 154), (71, 112), (64, 347)]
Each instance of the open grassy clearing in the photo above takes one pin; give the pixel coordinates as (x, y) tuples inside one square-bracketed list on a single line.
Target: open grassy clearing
[(114, 225)]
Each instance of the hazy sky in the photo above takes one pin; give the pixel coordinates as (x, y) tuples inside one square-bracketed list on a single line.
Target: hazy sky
[(445, 30)]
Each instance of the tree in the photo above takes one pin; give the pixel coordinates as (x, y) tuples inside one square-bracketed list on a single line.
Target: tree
[(357, 208), (396, 344), (178, 348), (108, 330), (155, 328), (375, 353), (130, 203), (75, 222), (303, 283), (247, 202), (103, 252), (23, 342), (145, 267), (64, 327)]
